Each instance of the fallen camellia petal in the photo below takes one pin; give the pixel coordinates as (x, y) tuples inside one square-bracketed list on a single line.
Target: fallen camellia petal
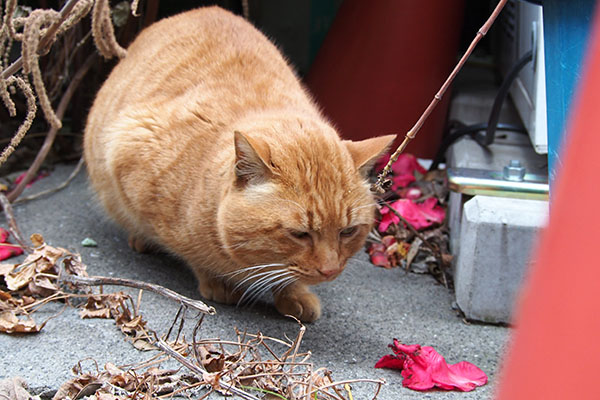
[(7, 250), (405, 164), (418, 215), (423, 368)]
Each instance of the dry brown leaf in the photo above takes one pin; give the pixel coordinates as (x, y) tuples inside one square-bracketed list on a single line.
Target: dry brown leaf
[(212, 360), (102, 306), (6, 268), (412, 253), (10, 323), (15, 389), (19, 279), (143, 345), (42, 287), (77, 387), (5, 295), (36, 239), (74, 265), (102, 313)]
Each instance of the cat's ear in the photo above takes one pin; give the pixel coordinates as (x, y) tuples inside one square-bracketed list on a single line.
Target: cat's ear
[(251, 159), (366, 152)]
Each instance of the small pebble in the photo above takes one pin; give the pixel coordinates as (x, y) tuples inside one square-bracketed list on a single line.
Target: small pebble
[(87, 242)]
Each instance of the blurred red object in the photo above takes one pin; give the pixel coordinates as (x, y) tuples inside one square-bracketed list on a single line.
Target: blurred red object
[(555, 352), (381, 64)]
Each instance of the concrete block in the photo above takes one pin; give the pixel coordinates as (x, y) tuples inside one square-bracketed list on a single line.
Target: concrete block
[(496, 239)]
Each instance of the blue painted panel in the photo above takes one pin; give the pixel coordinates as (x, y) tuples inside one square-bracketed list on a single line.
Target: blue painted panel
[(566, 26)]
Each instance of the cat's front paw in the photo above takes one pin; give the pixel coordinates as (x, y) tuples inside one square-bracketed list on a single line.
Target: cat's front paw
[(215, 289), (139, 244), (299, 302)]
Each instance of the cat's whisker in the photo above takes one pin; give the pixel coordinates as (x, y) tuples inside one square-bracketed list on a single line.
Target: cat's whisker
[(251, 268), (285, 283), (257, 277), (267, 286), (255, 289), (234, 246), (276, 282), (353, 210)]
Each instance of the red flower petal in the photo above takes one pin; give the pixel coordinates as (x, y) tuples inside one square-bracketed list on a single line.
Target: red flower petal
[(407, 164), (381, 259), (424, 368), (3, 235), (6, 250), (390, 361), (418, 215), (402, 181), (9, 251)]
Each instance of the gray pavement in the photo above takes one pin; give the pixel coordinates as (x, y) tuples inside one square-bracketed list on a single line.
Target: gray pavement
[(364, 309)]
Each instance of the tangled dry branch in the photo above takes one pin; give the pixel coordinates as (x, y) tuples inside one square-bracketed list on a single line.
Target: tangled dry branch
[(36, 31)]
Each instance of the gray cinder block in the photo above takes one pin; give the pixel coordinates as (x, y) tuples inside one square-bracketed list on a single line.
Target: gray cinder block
[(496, 240)]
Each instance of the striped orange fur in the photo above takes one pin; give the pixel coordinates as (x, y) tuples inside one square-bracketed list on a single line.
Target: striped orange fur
[(204, 142)]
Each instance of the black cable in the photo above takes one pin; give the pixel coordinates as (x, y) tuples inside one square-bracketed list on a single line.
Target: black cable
[(500, 97), (456, 132)]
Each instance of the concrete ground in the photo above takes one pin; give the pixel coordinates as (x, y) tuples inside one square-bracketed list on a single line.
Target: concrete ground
[(364, 309)]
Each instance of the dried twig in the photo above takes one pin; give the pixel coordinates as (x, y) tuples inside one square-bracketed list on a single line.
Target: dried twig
[(164, 346), (60, 111), (55, 189), (44, 41), (378, 186), (12, 223), (161, 290)]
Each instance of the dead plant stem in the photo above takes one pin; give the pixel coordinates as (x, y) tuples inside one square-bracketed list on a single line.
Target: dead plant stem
[(45, 41), (161, 344), (160, 290), (60, 112), (55, 189), (12, 223), (378, 186)]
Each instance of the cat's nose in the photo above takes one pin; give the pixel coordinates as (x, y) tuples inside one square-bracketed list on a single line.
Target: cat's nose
[(328, 272)]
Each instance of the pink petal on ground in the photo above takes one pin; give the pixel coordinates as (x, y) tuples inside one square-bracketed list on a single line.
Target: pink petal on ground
[(390, 361), (418, 215), (387, 218), (402, 181), (380, 259), (3, 235), (9, 251), (407, 164), (424, 368), (6, 250)]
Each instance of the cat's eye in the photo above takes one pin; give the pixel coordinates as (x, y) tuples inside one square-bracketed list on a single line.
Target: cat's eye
[(302, 235), (349, 231)]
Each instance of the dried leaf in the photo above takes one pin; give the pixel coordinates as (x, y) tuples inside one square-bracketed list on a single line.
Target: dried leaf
[(10, 323), (212, 360), (36, 239), (143, 345), (6, 268), (15, 389), (83, 385), (42, 287), (412, 253)]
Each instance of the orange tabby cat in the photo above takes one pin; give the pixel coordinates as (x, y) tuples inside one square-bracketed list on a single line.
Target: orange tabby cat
[(203, 141)]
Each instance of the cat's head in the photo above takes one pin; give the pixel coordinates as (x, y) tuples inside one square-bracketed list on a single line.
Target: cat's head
[(300, 199)]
